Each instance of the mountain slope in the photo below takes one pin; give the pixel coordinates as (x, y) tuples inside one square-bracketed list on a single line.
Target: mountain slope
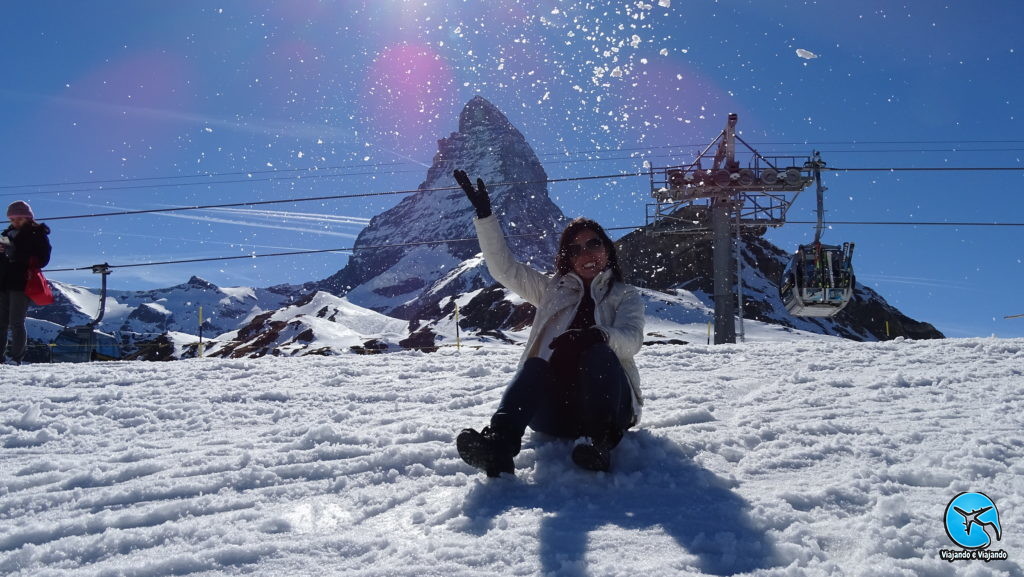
[(391, 267)]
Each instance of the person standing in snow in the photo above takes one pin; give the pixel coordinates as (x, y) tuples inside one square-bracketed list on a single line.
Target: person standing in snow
[(577, 378), (25, 243)]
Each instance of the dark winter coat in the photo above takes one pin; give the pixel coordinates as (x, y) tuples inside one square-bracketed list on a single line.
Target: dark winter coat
[(31, 240)]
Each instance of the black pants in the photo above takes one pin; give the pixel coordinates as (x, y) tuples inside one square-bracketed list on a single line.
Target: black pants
[(592, 398), (13, 309)]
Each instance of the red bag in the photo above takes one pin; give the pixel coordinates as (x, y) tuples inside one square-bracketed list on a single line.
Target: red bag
[(37, 288)]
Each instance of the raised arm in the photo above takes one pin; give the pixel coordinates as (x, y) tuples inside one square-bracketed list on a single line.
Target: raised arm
[(521, 279)]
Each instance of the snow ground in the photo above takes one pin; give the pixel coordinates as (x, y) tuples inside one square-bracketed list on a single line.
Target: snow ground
[(800, 458)]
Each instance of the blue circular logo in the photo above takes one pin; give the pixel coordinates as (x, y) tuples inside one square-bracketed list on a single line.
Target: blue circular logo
[(972, 521)]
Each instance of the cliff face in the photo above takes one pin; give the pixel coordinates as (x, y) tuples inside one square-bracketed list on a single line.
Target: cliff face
[(392, 268)]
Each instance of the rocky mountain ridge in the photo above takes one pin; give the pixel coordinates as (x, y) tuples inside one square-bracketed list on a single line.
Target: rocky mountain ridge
[(397, 261), (675, 262)]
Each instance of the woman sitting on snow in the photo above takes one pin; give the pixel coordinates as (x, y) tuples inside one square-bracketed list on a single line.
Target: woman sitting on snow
[(577, 378)]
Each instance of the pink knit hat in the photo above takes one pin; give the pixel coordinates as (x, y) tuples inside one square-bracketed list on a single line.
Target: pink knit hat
[(20, 208)]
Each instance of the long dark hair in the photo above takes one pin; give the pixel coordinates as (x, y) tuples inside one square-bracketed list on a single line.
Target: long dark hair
[(563, 263)]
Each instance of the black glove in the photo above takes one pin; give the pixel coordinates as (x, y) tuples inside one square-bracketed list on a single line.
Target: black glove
[(572, 342), (478, 196)]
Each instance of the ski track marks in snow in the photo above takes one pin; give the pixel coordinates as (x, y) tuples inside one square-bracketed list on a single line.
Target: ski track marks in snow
[(798, 458)]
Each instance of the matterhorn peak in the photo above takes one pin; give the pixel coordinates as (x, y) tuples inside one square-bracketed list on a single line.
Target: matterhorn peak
[(480, 114), (391, 267)]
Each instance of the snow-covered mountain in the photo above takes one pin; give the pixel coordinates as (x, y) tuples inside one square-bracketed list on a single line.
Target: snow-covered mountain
[(401, 290), (319, 324), (141, 320), (394, 272), (157, 311), (424, 283)]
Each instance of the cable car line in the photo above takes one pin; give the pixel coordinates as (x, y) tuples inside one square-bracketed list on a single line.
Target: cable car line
[(236, 204), (410, 191), (352, 174), (329, 197), (209, 259), (313, 175), (285, 253), (316, 169), (469, 239)]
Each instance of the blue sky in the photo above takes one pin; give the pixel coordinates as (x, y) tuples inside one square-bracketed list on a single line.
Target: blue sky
[(118, 105)]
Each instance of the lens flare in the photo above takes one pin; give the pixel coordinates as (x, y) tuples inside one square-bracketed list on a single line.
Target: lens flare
[(409, 93)]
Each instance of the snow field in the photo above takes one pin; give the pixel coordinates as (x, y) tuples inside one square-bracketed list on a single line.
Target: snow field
[(810, 457)]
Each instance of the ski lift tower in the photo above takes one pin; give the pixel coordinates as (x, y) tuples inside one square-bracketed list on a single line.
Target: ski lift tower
[(756, 192)]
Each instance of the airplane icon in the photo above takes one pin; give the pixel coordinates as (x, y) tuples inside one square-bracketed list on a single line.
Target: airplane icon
[(972, 519)]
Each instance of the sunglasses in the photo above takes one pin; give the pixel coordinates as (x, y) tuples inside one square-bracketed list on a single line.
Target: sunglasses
[(592, 245)]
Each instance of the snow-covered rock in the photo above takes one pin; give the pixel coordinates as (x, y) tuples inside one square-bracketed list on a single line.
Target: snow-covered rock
[(391, 267), (321, 324)]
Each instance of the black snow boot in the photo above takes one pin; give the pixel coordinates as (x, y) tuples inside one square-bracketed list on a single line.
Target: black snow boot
[(596, 454), (488, 450), (592, 456)]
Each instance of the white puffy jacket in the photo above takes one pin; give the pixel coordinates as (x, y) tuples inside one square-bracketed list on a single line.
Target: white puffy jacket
[(618, 307)]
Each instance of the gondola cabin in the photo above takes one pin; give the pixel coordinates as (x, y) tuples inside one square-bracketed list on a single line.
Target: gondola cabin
[(819, 280), (82, 344)]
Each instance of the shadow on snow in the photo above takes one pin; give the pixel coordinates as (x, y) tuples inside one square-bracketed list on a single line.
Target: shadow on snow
[(653, 483)]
